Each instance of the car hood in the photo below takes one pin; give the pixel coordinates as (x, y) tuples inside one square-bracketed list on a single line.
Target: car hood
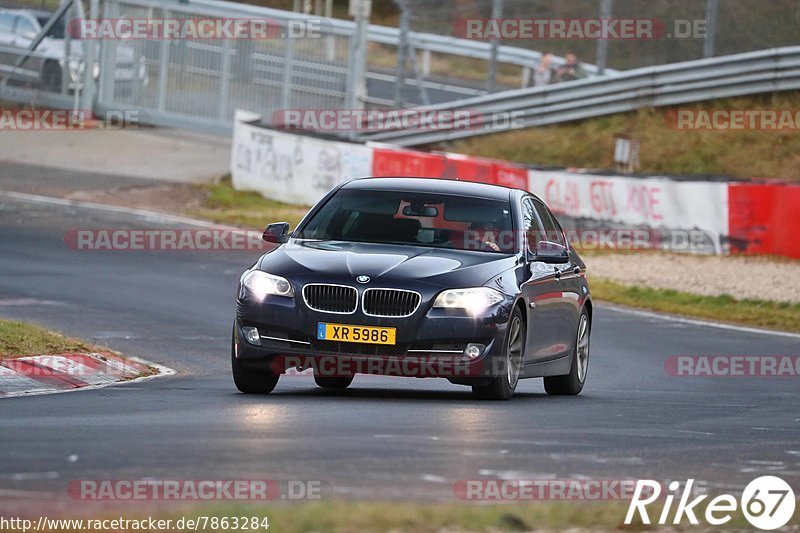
[(335, 260)]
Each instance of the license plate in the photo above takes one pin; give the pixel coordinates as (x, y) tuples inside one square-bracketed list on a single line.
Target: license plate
[(361, 334)]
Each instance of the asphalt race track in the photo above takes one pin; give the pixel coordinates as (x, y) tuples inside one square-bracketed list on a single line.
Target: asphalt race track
[(383, 438)]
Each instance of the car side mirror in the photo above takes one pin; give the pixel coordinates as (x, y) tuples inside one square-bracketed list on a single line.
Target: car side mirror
[(277, 233), (551, 253)]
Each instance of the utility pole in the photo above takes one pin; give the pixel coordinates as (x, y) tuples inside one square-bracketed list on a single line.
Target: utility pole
[(712, 10), (491, 80), (602, 44)]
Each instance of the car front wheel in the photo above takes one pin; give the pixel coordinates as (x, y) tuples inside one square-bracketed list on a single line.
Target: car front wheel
[(503, 386), (251, 380)]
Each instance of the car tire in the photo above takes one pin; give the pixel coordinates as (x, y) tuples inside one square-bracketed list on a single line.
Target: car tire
[(502, 387), (52, 77), (251, 380), (572, 384), (333, 382)]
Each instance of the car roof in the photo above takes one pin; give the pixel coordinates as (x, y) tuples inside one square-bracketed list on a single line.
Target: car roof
[(30, 12), (431, 185)]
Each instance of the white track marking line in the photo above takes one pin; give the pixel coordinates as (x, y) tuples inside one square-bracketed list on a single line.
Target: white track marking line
[(143, 213), (697, 322)]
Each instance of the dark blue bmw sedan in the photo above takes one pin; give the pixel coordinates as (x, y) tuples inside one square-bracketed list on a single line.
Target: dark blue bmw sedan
[(417, 277)]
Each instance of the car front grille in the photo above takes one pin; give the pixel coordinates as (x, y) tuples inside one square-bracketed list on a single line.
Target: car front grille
[(331, 298), (390, 302), (352, 348)]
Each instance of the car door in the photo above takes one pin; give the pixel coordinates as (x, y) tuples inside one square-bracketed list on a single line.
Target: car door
[(25, 31), (541, 293), (565, 304), (6, 41)]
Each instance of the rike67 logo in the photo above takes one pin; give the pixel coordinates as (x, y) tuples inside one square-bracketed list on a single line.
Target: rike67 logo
[(767, 502)]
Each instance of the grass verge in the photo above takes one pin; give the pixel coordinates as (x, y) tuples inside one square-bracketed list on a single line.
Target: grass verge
[(19, 339), (724, 308), (225, 205)]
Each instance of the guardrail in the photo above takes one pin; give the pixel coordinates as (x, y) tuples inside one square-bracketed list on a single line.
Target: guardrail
[(422, 42), (764, 71)]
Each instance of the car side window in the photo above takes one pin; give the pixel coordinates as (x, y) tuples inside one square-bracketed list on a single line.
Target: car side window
[(552, 231), (533, 229), (25, 27), (6, 22)]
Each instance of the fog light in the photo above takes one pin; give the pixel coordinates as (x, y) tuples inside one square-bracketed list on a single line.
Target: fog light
[(251, 335), (474, 350)]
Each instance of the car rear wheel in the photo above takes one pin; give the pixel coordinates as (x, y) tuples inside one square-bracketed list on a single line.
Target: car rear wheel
[(51, 77), (503, 386), (251, 380), (333, 382), (572, 383)]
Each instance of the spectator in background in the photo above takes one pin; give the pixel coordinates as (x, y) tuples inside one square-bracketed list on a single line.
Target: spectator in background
[(543, 73), (571, 70)]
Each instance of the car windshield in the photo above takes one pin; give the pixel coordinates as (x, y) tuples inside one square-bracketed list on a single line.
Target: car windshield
[(416, 219), (57, 31)]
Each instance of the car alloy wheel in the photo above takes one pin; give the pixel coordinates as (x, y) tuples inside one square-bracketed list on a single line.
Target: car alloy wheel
[(516, 344), (583, 348)]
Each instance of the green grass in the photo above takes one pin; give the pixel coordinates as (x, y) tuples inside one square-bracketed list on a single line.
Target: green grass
[(590, 143), (226, 205), (19, 339), (756, 313)]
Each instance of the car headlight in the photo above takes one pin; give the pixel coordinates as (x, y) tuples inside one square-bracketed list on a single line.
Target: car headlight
[(260, 284), (474, 300)]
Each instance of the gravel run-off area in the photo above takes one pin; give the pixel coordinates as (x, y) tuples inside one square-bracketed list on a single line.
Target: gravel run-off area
[(755, 278)]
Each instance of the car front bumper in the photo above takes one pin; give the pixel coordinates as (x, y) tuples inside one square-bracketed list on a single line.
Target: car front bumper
[(429, 343)]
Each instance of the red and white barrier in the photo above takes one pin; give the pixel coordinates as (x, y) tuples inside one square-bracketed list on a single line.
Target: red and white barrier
[(44, 374), (740, 217), (291, 168)]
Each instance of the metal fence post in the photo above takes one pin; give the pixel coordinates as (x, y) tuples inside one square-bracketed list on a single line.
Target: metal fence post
[(402, 53), (163, 70), (356, 88), (491, 79), (712, 9), (90, 55), (288, 65), (602, 44), (108, 58), (222, 112)]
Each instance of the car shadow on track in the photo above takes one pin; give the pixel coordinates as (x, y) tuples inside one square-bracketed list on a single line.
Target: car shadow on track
[(366, 393)]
